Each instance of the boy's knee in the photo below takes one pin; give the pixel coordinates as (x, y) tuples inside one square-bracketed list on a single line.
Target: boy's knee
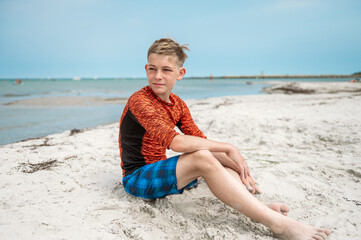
[(202, 154), (205, 161)]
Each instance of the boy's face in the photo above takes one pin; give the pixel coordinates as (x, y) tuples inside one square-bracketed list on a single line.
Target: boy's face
[(162, 73)]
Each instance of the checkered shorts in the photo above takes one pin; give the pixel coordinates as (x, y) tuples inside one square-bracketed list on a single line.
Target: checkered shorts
[(155, 180)]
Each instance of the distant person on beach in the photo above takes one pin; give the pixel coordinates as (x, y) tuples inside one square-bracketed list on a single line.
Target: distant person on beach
[(147, 130)]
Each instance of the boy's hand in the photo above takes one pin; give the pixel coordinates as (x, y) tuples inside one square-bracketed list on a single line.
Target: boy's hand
[(252, 185), (244, 172), (249, 182)]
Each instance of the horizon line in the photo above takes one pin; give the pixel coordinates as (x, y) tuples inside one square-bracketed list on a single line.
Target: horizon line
[(262, 76)]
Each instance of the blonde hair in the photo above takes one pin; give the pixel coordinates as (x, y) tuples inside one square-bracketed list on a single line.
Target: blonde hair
[(168, 46)]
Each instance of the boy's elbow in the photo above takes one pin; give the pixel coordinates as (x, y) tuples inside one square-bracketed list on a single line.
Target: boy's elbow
[(177, 144)]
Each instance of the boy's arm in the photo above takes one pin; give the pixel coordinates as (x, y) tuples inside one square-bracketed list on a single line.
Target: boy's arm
[(227, 162), (188, 144), (186, 123)]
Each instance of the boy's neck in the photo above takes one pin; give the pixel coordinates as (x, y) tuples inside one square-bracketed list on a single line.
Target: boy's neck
[(165, 98)]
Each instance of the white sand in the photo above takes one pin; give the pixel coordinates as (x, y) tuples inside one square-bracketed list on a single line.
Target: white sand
[(303, 150)]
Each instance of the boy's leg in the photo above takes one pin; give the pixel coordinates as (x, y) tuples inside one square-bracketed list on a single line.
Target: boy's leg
[(281, 208), (226, 188)]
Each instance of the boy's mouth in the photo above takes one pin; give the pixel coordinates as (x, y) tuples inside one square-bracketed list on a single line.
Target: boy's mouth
[(158, 84)]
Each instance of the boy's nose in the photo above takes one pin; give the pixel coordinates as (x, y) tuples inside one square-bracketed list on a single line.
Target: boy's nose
[(158, 75)]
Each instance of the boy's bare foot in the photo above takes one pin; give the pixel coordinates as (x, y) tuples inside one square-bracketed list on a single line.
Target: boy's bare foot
[(294, 230), (278, 207)]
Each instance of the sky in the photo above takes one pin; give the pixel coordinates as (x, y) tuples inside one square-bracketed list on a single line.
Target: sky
[(110, 38)]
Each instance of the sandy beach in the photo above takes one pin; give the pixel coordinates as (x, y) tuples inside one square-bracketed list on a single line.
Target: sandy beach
[(302, 142)]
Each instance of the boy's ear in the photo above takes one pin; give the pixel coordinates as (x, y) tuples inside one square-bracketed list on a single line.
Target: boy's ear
[(182, 72), (146, 67)]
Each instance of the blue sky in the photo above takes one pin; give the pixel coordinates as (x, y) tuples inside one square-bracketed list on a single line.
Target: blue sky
[(110, 38)]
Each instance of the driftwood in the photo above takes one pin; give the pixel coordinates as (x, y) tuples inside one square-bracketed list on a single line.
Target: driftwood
[(75, 131), (293, 90), (34, 167), (35, 146)]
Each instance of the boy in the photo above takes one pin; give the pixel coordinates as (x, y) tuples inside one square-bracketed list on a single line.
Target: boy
[(147, 129)]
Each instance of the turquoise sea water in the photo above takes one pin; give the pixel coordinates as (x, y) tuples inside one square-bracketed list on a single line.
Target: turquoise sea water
[(23, 122)]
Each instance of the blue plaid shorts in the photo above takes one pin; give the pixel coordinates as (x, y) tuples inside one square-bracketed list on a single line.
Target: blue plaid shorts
[(155, 180)]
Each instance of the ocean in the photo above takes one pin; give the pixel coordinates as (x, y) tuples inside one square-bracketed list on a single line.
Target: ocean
[(19, 122)]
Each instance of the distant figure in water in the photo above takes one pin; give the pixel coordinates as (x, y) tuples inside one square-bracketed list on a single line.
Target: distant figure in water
[(18, 82), (211, 78)]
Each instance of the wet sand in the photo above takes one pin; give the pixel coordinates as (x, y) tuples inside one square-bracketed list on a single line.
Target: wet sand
[(67, 101)]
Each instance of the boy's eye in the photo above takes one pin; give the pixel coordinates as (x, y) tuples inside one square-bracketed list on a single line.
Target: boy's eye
[(167, 70)]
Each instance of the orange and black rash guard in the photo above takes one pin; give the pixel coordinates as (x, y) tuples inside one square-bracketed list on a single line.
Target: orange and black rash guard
[(147, 128)]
